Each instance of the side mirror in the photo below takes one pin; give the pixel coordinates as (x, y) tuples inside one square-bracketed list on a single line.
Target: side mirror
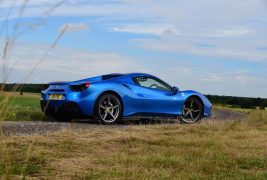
[(175, 89)]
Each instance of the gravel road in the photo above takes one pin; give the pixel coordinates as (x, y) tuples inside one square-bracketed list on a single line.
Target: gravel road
[(41, 127)]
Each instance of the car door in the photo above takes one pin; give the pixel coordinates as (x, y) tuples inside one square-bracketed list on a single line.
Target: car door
[(156, 96)]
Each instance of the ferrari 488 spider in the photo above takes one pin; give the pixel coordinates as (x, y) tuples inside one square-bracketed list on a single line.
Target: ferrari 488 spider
[(112, 97)]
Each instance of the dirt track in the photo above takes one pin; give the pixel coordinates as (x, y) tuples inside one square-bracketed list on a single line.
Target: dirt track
[(223, 114), (41, 127)]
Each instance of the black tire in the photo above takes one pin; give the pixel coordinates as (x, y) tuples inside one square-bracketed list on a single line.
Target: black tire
[(192, 111), (108, 109)]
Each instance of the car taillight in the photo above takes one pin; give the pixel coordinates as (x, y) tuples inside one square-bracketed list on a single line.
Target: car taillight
[(80, 87), (87, 85), (45, 87)]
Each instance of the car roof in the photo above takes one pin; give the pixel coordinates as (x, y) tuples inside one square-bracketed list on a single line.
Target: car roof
[(131, 74)]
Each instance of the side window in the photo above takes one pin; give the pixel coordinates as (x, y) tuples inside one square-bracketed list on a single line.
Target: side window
[(152, 82)]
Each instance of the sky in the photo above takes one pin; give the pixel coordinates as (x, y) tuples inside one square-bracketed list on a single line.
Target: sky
[(212, 46)]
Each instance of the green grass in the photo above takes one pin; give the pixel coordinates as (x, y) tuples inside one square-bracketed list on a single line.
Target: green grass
[(1, 98), (21, 108), (242, 110), (210, 150)]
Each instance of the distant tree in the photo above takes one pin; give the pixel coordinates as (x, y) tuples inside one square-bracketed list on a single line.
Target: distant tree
[(242, 102)]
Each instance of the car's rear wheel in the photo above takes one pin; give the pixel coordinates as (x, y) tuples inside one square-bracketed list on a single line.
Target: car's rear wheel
[(108, 109), (192, 110)]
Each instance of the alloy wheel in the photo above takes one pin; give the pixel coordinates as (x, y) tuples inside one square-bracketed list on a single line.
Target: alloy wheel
[(109, 108), (192, 110)]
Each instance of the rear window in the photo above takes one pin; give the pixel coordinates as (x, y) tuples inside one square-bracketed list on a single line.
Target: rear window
[(111, 76)]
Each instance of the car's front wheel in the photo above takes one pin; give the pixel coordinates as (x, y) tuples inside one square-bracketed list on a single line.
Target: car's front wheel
[(108, 109), (192, 110)]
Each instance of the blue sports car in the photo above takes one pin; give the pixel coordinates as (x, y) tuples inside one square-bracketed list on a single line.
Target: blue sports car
[(109, 98)]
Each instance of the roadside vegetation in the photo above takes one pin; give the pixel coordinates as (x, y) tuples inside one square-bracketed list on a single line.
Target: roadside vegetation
[(15, 107), (235, 109), (209, 150), (234, 149), (239, 102)]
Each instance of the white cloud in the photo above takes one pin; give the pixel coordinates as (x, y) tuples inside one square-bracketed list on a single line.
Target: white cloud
[(63, 63), (153, 29), (237, 48), (233, 32), (72, 64), (69, 27), (178, 12)]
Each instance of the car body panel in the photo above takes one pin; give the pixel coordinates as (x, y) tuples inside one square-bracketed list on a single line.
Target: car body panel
[(136, 100)]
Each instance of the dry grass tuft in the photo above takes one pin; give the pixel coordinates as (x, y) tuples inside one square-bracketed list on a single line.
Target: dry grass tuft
[(210, 150), (13, 162)]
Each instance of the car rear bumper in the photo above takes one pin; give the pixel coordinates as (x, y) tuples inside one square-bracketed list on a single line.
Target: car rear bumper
[(62, 106)]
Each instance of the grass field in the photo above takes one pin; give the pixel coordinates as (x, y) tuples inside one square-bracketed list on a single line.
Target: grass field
[(233, 149), (15, 107), (209, 150)]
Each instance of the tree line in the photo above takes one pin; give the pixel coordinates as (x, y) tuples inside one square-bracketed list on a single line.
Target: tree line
[(33, 88), (240, 102)]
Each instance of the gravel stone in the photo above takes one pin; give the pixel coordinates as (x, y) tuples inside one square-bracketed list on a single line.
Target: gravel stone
[(8, 128)]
